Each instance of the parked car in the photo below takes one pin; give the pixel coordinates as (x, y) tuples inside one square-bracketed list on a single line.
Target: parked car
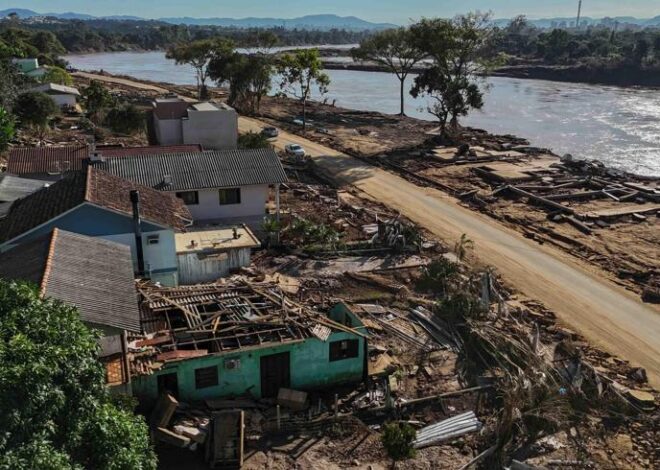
[(270, 132), (294, 150)]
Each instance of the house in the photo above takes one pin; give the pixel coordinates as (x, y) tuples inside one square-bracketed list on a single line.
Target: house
[(51, 163), (224, 186), (93, 274), (215, 341), (208, 254), (63, 96), (98, 204), (13, 188), (213, 125), (30, 67)]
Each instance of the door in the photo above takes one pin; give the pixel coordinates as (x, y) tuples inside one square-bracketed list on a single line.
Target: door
[(275, 374), (168, 383)]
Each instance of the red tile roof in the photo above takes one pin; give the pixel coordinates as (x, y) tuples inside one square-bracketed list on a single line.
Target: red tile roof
[(95, 187), (56, 160)]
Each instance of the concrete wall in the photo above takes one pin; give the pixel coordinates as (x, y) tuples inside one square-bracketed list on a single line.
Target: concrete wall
[(194, 269), (253, 204), (310, 369), (64, 100), (215, 130), (168, 131), (96, 222)]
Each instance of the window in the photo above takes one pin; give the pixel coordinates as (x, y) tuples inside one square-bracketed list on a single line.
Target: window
[(153, 239), (230, 196), (206, 377), (189, 198), (344, 349)]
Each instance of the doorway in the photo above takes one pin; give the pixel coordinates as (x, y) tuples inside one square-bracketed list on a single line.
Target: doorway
[(275, 374)]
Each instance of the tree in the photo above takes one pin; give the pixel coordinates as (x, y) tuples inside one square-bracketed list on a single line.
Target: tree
[(96, 99), (397, 438), (126, 119), (198, 54), (394, 50), (457, 48), (249, 77), (300, 72), (656, 47), (253, 140), (6, 129), (10, 84), (58, 413), (640, 51), (57, 75), (35, 109)]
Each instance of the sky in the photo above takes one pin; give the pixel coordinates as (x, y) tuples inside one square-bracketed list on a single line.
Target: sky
[(393, 11)]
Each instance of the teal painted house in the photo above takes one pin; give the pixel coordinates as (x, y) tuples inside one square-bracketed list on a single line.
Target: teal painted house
[(97, 204), (303, 350)]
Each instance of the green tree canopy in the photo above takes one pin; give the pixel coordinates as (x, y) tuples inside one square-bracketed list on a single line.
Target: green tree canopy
[(253, 140), (7, 129), (57, 75), (300, 72), (57, 413), (198, 54), (35, 109), (393, 49), (126, 119), (96, 99)]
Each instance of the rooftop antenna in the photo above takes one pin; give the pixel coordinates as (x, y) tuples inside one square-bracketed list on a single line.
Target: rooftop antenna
[(577, 21)]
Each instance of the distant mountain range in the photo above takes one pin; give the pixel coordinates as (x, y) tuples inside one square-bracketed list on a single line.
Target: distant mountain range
[(319, 22), (314, 22)]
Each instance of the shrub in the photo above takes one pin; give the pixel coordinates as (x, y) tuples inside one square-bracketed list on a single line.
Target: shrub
[(126, 119), (397, 438)]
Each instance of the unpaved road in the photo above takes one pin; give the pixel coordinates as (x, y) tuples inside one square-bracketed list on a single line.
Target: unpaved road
[(606, 314)]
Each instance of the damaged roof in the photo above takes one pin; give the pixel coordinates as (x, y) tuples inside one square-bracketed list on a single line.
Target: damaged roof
[(12, 188), (93, 274), (210, 169), (57, 160), (94, 187), (192, 321)]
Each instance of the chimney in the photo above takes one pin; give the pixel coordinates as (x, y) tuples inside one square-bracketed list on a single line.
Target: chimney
[(135, 202)]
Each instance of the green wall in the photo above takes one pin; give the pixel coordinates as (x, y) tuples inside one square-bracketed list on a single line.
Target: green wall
[(310, 368)]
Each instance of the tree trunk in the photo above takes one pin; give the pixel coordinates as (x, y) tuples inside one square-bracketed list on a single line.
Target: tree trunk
[(304, 116), (403, 110)]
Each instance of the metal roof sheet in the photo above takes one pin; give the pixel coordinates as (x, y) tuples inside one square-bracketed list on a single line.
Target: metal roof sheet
[(210, 169)]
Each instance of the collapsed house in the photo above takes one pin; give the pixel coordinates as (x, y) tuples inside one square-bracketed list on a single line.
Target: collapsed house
[(214, 341)]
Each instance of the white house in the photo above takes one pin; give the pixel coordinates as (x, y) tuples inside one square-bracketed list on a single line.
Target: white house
[(212, 125), (220, 186), (62, 95)]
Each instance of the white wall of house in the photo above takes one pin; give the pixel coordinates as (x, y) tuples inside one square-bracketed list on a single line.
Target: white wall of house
[(159, 258), (168, 131), (195, 268), (217, 129), (64, 100), (253, 204)]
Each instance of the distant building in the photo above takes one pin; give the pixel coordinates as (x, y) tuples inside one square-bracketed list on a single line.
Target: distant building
[(98, 204), (30, 67), (13, 188), (212, 125), (221, 186), (63, 96), (92, 274), (53, 162)]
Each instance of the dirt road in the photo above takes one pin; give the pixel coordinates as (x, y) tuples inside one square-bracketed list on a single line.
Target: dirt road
[(604, 313)]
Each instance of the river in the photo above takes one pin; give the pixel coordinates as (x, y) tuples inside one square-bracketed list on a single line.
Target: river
[(619, 126)]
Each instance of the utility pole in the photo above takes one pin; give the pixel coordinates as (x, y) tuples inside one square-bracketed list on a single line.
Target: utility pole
[(577, 21)]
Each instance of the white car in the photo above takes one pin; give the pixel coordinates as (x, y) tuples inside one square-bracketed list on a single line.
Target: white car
[(294, 150), (270, 132)]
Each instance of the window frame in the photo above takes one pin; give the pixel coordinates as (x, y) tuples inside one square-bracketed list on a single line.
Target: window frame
[(182, 195), (337, 351), (226, 191), (207, 381)]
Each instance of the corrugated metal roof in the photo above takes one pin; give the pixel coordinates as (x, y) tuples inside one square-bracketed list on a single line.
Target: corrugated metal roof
[(56, 160), (189, 171), (46, 87), (93, 274)]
